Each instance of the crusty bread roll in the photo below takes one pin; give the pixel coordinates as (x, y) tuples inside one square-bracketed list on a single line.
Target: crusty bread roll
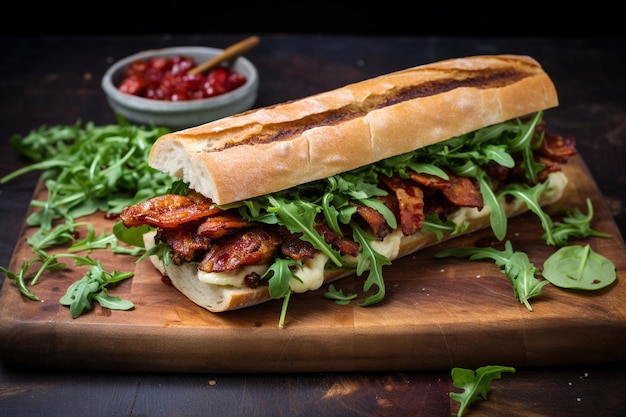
[(219, 298), (278, 147)]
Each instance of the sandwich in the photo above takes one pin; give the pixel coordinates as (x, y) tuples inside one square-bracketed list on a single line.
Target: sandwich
[(287, 198)]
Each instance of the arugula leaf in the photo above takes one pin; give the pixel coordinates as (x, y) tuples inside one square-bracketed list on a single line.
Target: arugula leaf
[(278, 275), (90, 168), (130, 235), (530, 196), (338, 295), (475, 385), (91, 241), (92, 287), (372, 260), (579, 267), (441, 228), (575, 225), (19, 278), (299, 217), (523, 142), (516, 266)]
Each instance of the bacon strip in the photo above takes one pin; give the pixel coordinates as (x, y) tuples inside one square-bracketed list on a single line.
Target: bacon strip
[(464, 192), (185, 243), (428, 180), (296, 248), (248, 247), (557, 148), (168, 211), (224, 224), (374, 219), (343, 244), (411, 202)]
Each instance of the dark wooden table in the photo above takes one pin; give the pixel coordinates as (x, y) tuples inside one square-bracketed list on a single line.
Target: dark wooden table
[(55, 80)]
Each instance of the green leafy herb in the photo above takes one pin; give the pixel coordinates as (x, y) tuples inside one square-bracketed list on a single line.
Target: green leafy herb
[(475, 385), (92, 287), (530, 196), (279, 274), (299, 217), (338, 295), (372, 260), (90, 168), (515, 265), (130, 235), (85, 169), (575, 225), (579, 267), (63, 233)]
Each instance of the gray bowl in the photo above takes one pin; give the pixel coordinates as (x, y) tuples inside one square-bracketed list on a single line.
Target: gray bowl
[(180, 114)]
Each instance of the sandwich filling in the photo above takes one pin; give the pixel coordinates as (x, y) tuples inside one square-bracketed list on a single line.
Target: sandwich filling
[(356, 220)]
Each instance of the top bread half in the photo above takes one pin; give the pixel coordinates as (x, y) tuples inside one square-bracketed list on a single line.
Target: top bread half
[(278, 147)]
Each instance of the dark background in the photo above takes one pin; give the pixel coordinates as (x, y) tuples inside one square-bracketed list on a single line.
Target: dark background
[(379, 18)]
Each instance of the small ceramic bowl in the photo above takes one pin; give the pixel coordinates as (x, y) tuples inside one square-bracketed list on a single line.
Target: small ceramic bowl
[(180, 114)]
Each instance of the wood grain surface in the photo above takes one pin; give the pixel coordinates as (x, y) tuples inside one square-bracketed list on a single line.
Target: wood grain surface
[(437, 314)]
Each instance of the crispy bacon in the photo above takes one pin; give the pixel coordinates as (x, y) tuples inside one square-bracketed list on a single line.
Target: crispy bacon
[(550, 166), (167, 211), (557, 148), (223, 224), (296, 248), (428, 180), (411, 202), (343, 244), (186, 244), (374, 220), (247, 247), (464, 192)]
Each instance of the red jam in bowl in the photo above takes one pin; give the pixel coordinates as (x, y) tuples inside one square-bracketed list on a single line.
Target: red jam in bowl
[(167, 79)]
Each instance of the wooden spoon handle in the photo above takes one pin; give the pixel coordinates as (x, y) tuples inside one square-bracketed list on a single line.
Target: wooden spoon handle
[(228, 54)]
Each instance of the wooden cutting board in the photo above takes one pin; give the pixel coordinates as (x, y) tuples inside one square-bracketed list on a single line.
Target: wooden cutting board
[(437, 314)]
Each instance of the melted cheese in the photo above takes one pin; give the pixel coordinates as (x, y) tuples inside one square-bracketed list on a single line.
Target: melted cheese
[(311, 275), (230, 278), (390, 245)]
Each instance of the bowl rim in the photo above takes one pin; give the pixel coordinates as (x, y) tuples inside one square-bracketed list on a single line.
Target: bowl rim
[(142, 103)]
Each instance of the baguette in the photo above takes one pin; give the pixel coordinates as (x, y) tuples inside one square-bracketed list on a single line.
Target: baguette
[(275, 148), (268, 150)]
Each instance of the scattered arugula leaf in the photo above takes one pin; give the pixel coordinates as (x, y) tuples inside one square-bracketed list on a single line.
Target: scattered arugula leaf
[(579, 267), (475, 384), (19, 278), (575, 225), (85, 169), (93, 287), (90, 168), (338, 295), (514, 264)]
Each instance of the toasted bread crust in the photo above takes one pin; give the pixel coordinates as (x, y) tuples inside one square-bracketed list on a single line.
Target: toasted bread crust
[(278, 147)]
